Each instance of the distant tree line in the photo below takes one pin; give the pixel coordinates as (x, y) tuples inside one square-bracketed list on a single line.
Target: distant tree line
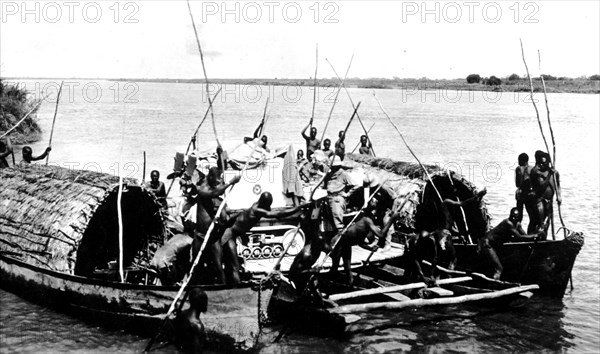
[(494, 81)]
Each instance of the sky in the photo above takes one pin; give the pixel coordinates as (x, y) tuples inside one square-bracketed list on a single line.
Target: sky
[(274, 39)]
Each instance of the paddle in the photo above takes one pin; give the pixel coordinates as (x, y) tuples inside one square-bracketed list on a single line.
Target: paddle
[(54, 120)]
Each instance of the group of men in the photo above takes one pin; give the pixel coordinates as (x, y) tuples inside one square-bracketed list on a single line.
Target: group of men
[(6, 150)]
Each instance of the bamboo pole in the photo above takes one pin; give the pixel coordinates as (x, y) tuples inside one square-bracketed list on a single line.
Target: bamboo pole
[(336, 97), (352, 102), (393, 289), (210, 102), (553, 154), (193, 136), (409, 149), (312, 116), (54, 119), (144, 169), (394, 305), (537, 113), (119, 206)]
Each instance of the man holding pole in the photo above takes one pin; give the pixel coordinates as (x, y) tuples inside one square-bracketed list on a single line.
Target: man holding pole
[(28, 155), (312, 142), (545, 181)]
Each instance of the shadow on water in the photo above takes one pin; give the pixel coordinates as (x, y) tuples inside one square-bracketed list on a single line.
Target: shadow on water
[(535, 325)]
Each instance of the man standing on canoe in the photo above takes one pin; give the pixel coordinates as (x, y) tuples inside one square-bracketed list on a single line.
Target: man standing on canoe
[(509, 229), (243, 223), (365, 146), (545, 182), (340, 146), (312, 142), (207, 205), (157, 188)]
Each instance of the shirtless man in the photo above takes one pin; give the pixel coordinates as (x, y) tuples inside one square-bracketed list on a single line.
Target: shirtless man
[(157, 188), (28, 154), (435, 247), (207, 205), (340, 146), (365, 146), (327, 148), (5, 151), (545, 181), (312, 142), (189, 329), (243, 223), (363, 233), (451, 208), (509, 229)]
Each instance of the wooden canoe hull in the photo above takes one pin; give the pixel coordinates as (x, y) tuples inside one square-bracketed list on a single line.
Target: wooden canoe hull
[(231, 321), (546, 263)]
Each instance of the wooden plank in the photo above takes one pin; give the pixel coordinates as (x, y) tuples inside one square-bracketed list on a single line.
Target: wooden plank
[(393, 305), (393, 289), (437, 292)]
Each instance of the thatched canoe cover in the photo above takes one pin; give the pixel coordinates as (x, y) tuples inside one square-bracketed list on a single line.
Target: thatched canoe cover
[(65, 220), (422, 210)]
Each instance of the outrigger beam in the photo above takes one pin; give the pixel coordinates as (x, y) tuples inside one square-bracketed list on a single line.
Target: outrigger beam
[(395, 305), (393, 289)]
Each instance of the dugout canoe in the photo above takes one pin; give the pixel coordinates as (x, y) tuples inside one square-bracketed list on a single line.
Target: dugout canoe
[(57, 236), (546, 263)]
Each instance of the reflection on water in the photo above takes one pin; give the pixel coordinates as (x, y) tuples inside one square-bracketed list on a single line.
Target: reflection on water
[(477, 134)]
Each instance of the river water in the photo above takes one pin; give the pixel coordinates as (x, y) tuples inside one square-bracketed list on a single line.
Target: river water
[(102, 124)]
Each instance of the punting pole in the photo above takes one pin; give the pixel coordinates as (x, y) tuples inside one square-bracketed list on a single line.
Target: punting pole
[(54, 119), (336, 97), (195, 132), (553, 152), (119, 206), (352, 102), (409, 149), (144, 169), (312, 116)]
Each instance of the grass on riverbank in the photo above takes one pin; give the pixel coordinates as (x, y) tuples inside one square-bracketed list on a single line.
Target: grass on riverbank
[(15, 102)]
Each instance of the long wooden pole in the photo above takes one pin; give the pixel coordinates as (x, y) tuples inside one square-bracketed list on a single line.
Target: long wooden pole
[(194, 135), (144, 169), (462, 210), (312, 116), (210, 102), (537, 113), (395, 305), (54, 119), (339, 89), (393, 289), (409, 149), (119, 206), (555, 186), (352, 102)]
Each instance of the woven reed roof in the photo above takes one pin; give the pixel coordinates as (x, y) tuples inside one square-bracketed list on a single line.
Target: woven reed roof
[(45, 212), (408, 181)]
